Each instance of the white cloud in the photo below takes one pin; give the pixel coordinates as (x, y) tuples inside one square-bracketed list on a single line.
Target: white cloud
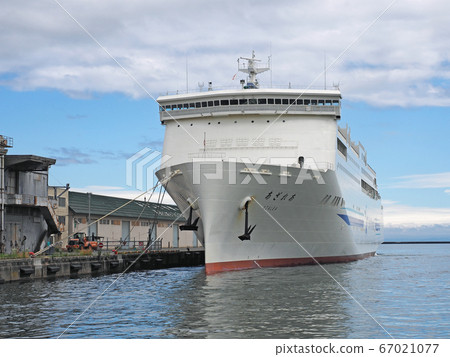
[(402, 59), (403, 216), (438, 180)]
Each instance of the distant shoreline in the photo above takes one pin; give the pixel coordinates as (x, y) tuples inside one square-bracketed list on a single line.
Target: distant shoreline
[(418, 242)]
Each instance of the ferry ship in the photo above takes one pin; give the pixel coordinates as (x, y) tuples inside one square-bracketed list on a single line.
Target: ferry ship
[(267, 177)]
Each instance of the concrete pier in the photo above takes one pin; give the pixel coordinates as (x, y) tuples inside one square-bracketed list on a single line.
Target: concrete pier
[(72, 266)]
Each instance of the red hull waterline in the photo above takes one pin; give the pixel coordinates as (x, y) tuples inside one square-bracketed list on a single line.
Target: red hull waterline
[(213, 268)]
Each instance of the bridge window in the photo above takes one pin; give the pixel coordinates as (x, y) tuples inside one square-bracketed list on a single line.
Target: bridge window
[(245, 101), (341, 147)]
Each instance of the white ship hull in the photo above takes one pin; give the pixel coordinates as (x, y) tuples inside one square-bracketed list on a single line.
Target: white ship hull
[(311, 195), (296, 223)]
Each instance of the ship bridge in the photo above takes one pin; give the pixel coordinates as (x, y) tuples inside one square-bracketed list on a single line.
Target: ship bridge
[(250, 101)]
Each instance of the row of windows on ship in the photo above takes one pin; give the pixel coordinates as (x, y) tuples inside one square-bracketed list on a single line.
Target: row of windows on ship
[(246, 101)]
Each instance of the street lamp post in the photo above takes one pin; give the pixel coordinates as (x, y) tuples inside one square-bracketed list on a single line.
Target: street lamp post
[(5, 143)]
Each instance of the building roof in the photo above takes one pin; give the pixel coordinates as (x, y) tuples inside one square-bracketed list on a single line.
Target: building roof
[(102, 205), (28, 162)]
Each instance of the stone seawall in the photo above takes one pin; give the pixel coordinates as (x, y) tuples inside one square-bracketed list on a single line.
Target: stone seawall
[(72, 266)]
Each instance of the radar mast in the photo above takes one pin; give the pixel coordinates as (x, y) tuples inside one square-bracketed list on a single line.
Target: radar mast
[(252, 68)]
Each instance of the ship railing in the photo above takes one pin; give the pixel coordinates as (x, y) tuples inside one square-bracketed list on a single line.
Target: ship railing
[(269, 108), (325, 166), (238, 87), (371, 170), (127, 245), (343, 132), (222, 156)]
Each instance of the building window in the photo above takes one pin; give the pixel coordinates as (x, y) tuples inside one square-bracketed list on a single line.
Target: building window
[(61, 202), (62, 219), (104, 221)]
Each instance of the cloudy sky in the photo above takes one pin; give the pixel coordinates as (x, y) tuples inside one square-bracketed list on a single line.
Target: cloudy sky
[(78, 81)]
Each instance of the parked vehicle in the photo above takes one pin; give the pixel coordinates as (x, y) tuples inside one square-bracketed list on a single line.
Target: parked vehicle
[(82, 241)]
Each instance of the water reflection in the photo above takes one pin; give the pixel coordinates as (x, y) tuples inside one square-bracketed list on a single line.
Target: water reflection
[(406, 291), (269, 303)]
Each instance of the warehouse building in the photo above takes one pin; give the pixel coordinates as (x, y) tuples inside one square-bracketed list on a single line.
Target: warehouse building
[(130, 224)]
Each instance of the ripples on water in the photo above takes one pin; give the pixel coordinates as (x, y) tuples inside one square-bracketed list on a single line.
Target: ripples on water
[(405, 288)]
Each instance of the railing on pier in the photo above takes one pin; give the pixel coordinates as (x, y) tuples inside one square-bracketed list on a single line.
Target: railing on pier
[(132, 244)]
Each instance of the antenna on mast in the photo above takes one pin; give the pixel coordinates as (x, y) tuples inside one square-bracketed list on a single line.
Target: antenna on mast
[(270, 63), (187, 75), (325, 70), (252, 69)]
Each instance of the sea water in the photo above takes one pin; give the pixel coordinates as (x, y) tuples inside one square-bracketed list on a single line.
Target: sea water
[(402, 292)]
